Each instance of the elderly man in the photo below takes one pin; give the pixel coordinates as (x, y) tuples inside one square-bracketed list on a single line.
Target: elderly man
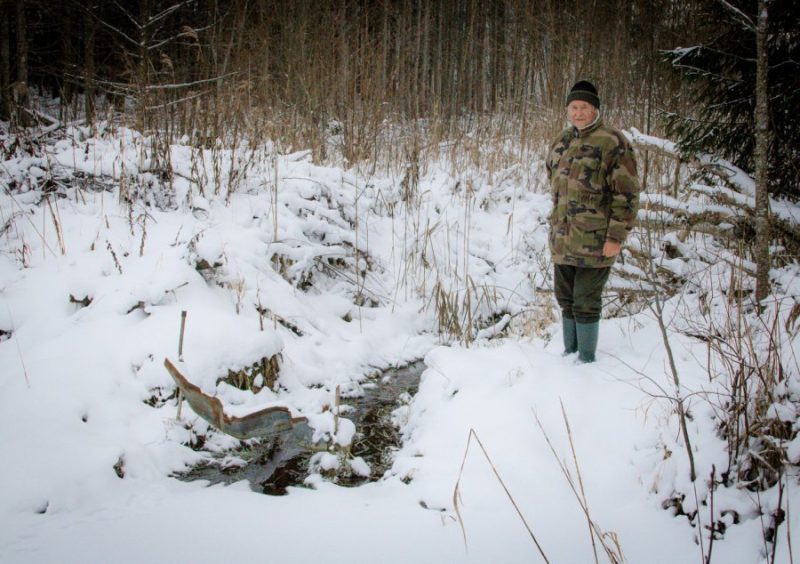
[(595, 191)]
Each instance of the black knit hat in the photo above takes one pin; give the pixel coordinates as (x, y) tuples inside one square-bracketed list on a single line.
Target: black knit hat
[(585, 91)]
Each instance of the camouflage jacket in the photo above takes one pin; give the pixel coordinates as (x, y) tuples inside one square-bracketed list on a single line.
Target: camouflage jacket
[(595, 192)]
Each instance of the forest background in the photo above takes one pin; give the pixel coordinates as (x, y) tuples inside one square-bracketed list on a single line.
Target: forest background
[(400, 76)]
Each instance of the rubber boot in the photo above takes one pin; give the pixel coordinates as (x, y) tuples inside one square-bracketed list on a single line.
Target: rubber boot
[(570, 335), (587, 340)]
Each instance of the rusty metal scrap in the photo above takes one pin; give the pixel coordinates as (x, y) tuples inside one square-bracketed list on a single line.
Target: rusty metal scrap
[(265, 422)]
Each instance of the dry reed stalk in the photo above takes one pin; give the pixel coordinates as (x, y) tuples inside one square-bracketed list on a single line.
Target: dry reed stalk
[(180, 359), (41, 235), (788, 523), (56, 216), (584, 501), (114, 256), (19, 348), (712, 526), (144, 233), (457, 493), (608, 541)]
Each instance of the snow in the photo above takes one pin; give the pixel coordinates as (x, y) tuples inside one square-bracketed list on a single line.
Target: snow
[(781, 208), (86, 473)]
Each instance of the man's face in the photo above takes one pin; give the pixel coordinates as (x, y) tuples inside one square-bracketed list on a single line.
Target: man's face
[(580, 113)]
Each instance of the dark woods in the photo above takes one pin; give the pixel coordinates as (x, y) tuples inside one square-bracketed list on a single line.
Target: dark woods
[(720, 75), (299, 71)]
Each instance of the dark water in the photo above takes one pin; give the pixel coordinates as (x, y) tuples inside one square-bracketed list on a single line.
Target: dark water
[(272, 464)]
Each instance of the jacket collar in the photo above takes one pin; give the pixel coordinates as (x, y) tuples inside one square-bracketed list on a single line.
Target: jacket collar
[(589, 129)]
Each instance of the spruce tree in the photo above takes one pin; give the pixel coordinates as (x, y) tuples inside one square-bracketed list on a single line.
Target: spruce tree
[(720, 75)]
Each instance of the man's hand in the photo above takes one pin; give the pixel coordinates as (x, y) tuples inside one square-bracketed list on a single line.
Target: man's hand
[(611, 248)]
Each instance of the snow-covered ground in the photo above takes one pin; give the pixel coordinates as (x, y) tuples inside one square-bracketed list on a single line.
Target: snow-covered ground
[(92, 293)]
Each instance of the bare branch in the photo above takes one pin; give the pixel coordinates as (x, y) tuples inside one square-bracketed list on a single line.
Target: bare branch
[(167, 12), (743, 18)]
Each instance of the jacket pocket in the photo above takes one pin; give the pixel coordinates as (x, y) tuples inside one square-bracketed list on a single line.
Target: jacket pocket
[(588, 234)]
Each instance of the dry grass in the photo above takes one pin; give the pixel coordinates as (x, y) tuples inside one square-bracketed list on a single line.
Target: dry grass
[(608, 540), (457, 493)]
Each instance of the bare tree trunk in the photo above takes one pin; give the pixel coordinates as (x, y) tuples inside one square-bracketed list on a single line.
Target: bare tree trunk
[(417, 50), (143, 70), (88, 57), (21, 86), (69, 61), (426, 53), (237, 31), (651, 61), (5, 58), (762, 222)]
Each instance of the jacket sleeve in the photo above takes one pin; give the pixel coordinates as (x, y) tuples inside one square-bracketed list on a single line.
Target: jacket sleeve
[(623, 182)]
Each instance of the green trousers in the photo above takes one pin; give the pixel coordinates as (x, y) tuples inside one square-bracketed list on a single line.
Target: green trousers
[(579, 291)]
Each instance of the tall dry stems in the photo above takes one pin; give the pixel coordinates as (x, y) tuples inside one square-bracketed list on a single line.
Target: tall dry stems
[(608, 540), (457, 493)]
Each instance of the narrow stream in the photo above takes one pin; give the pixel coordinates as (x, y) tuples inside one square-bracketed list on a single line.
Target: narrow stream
[(276, 463)]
